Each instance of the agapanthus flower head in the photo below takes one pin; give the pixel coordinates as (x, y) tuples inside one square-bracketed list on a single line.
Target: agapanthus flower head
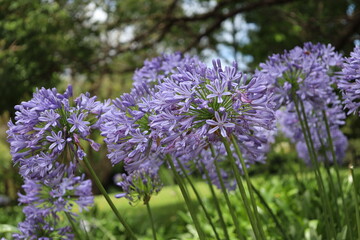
[(350, 81), (139, 185), (304, 72), (301, 82), (200, 105), (42, 223), (47, 201), (48, 129), (128, 135), (59, 195), (126, 127)]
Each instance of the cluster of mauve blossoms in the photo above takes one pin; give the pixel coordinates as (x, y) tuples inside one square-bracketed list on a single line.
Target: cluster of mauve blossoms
[(350, 81), (185, 111), (45, 144), (202, 105), (302, 77), (126, 125)]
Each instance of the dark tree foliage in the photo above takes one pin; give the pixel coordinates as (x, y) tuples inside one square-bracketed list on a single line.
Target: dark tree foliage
[(38, 40)]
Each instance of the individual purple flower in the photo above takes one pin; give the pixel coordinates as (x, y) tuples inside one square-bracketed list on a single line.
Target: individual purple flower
[(218, 90), (79, 124), (350, 81), (56, 141), (220, 123), (50, 117)]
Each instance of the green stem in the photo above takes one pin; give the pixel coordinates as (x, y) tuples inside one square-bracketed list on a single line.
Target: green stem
[(235, 169), (186, 198), (216, 202), (73, 226), (107, 197), (151, 219), (228, 203), (207, 215), (249, 185), (313, 156), (357, 212), (330, 177), (332, 148)]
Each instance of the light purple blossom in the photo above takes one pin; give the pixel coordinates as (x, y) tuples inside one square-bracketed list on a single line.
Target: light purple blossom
[(57, 141), (79, 123), (220, 123), (218, 90), (350, 81)]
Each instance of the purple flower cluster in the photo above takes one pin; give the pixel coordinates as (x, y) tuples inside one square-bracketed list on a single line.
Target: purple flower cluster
[(302, 78), (126, 127), (189, 108), (45, 144), (202, 105), (350, 82), (48, 129), (306, 73), (45, 202)]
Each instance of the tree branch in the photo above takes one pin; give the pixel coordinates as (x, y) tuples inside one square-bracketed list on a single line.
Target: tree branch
[(222, 18)]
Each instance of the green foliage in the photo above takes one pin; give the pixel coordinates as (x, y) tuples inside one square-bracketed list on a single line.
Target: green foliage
[(38, 41), (293, 200)]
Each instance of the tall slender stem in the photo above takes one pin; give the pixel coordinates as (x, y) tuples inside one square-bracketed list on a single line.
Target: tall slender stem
[(252, 218), (216, 202), (227, 199), (186, 198), (249, 185), (313, 156), (330, 177), (335, 161), (207, 215), (327, 201), (108, 199), (224, 191), (151, 219)]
